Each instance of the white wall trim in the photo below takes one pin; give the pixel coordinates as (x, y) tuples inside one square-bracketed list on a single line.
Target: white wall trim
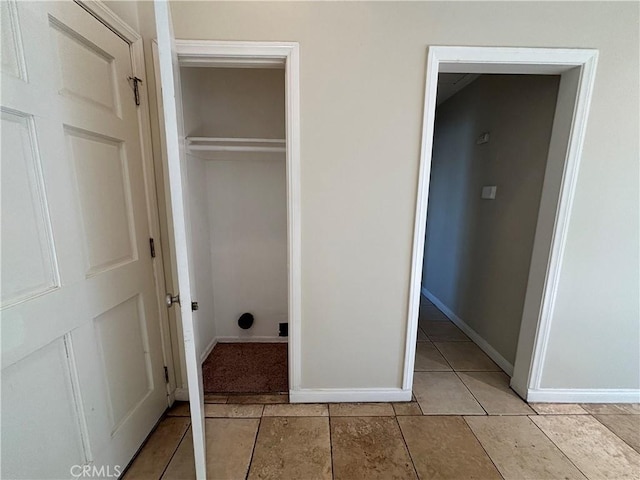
[(504, 60), (254, 53), (212, 52), (263, 339), (208, 349), (583, 395), (502, 362), (333, 395), (181, 394), (111, 20), (565, 203), (167, 256), (294, 210), (349, 395)]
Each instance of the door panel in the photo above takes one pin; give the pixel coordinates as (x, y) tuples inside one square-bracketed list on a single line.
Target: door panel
[(123, 346), (98, 84), (11, 41), (27, 242), (43, 377), (104, 196), (81, 342)]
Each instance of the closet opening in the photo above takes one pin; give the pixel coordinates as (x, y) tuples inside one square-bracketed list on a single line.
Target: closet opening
[(235, 148), (231, 137), (232, 216)]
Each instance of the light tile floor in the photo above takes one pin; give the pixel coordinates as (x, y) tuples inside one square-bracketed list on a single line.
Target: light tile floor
[(465, 422)]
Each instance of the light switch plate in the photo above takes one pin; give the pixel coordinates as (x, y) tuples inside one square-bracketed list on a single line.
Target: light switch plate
[(489, 192)]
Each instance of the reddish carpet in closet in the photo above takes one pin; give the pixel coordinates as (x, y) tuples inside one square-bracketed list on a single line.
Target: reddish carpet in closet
[(246, 368)]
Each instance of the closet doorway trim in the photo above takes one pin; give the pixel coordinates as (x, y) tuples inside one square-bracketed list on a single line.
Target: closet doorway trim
[(270, 55)]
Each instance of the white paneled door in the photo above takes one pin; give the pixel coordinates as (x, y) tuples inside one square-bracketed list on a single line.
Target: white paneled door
[(172, 115), (82, 369)]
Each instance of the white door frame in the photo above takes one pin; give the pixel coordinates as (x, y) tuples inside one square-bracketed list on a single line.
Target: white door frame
[(269, 55), (99, 10), (577, 68)]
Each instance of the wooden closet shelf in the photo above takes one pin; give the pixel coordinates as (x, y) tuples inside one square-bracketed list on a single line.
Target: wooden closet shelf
[(218, 144)]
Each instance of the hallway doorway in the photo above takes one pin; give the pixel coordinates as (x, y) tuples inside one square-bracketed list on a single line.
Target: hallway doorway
[(576, 69)]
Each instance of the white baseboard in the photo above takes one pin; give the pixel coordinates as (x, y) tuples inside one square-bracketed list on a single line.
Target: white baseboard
[(583, 395), (502, 362), (181, 394), (252, 339), (334, 395), (208, 350)]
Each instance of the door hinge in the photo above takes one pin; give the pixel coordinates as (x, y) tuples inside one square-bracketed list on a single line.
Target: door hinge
[(152, 247), (166, 374), (136, 90)]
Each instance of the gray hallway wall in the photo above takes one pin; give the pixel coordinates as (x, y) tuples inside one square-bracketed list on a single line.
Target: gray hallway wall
[(478, 251)]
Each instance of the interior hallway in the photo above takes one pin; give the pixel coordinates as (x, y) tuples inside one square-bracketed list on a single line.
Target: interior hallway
[(453, 376), (463, 422)]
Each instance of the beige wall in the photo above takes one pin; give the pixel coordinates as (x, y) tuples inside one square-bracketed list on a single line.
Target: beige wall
[(478, 251), (240, 102), (362, 81), (248, 218), (127, 11)]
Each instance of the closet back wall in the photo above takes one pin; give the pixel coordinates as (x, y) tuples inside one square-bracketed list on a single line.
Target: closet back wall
[(246, 202), (240, 102), (248, 222)]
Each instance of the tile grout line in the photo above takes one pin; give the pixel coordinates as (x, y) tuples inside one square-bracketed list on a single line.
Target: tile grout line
[(425, 334), (482, 446), (164, 470), (532, 413), (469, 390), (557, 446), (442, 355), (295, 416), (124, 473), (469, 339), (253, 450), (330, 444), (499, 370), (406, 445), (609, 428)]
